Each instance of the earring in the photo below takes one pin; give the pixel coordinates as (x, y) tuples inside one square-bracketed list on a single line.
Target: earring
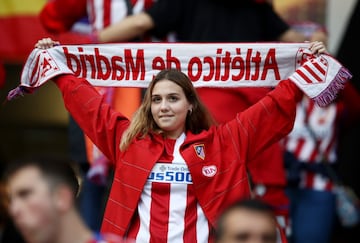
[(190, 111)]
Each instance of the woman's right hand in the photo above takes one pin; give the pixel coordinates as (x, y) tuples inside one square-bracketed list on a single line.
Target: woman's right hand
[(46, 43), (318, 47)]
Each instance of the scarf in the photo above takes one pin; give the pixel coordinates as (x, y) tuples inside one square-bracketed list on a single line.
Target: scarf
[(206, 64)]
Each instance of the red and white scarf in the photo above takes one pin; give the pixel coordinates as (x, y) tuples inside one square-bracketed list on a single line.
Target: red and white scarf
[(206, 64)]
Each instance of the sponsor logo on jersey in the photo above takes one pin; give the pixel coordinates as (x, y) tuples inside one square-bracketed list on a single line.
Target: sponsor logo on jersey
[(170, 173), (209, 171)]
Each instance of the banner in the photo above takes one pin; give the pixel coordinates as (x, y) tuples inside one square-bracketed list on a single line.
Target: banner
[(207, 65), (134, 64)]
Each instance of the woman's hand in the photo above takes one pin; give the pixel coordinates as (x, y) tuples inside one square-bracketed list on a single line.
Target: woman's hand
[(318, 47), (46, 43)]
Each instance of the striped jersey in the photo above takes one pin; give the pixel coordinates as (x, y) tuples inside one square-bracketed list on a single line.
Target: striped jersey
[(313, 139), (103, 13), (168, 205)]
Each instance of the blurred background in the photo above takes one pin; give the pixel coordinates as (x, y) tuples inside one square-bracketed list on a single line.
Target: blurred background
[(39, 122)]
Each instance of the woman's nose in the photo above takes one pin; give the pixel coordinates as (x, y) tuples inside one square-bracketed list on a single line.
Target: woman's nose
[(164, 105)]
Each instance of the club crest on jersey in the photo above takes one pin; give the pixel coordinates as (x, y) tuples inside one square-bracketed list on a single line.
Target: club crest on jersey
[(209, 171), (200, 151)]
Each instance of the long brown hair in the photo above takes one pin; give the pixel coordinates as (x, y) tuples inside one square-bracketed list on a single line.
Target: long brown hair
[(143, 122)]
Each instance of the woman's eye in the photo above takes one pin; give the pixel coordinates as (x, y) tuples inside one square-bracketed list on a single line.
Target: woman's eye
[(173, 98), (156, 99)]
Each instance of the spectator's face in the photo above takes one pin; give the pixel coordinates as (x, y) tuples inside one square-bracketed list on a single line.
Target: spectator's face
[(169, 107), (32, 205), (244, 226)]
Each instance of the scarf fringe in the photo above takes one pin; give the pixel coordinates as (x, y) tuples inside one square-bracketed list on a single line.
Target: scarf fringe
[(19, 91), (330, 93)]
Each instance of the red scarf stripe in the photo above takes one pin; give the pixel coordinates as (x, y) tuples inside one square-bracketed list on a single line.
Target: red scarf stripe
[(311, 71), (35, 74), (319, 68), (303, 76)]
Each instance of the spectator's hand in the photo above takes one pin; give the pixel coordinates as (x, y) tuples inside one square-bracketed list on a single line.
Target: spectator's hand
[(46, 43), (318, 47)]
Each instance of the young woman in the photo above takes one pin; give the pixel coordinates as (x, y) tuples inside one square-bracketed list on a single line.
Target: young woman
[(175, 170)]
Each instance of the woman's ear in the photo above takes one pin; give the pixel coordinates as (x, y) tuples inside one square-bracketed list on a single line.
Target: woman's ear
[(190, 110)]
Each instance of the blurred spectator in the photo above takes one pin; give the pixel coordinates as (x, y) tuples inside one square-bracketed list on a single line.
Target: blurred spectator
[(8, 232), (42, 194), (312, 144), (247, 221), (310, 148)]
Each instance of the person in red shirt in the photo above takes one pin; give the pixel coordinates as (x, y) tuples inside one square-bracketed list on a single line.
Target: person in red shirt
[(175, 170), (224, 21)]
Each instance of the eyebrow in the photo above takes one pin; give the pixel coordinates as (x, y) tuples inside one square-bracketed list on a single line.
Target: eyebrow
[(246, 235), (165, 94)]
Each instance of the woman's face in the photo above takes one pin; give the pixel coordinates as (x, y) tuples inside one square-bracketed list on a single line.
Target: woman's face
[(169, 107)]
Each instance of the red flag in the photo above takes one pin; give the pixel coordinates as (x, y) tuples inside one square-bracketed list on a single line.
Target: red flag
[(19, 20)]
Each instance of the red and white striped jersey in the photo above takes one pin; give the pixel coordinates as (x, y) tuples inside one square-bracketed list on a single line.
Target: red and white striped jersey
[(314, 138), (102, 13), (168, 205)]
